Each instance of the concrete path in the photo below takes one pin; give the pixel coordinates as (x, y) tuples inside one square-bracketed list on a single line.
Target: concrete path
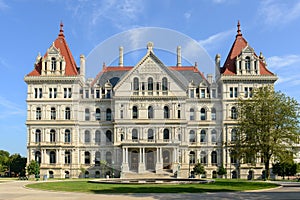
[(15, 190)]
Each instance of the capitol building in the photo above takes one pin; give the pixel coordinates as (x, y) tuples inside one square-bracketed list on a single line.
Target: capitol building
[(144, 120)]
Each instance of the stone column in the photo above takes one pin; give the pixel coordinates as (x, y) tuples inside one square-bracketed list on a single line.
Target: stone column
[(141, 168)]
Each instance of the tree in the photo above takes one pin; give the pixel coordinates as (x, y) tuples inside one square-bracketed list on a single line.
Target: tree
[(199, 169), (285, 169), (33, 168), (268, 125), (17, 164), (221, 171), (4, 159)]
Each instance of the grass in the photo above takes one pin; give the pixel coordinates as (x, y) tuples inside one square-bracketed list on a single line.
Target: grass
[(218, 186)]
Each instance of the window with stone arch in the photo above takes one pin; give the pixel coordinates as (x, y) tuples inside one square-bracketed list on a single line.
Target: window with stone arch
[(233, 113), (87, 114), (38, 115), (108, 136), (68, 113), (67, 157), (87, 157), (135, 84), (203, 114), (214, 157), (213, 136), (247, 64), (150, 112), (67, 136), (192, 136), (52, 136), (97, 137), (53, 64), (134, 135), (108, 114), (87, 136), (150, 84), (233, 134), (98, 114), (192, 157), (38, 135), (164, 84), (203, 157), (53, 113), (150, 135), (203, 136), (192, 114), (52, 157), (166, 112), (166, 134), (134, 112), (38, 157), (109, 157), (213, 114)]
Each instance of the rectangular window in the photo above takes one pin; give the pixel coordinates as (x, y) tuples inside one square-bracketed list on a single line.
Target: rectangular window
[(231, 92), (178, 114), (202, 93), (246, 92), (213, 93), (235, 92), (55, 93), (35, 93), (192, 94), (97, 94), (50, 92), (40, 93), (121, 114), (65, 92), (87, 92)]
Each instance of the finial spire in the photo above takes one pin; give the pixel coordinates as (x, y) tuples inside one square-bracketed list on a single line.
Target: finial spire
[(61, 31), (239, 32)]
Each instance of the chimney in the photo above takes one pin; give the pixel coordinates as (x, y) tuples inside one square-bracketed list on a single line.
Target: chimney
[(121, 57), (218, 60), (178, 56), (210, 78), (82, 65)]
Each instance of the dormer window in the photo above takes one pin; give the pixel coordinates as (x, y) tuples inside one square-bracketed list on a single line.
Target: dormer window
[(53, 64), (247, 63), (136, 84)]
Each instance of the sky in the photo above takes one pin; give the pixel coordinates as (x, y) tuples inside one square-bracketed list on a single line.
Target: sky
[(30, 26)]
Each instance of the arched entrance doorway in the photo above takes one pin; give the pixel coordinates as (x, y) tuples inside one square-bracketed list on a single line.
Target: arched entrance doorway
[(134, 160), (250, 175), (234, 174), (150, 160), (166, 159)]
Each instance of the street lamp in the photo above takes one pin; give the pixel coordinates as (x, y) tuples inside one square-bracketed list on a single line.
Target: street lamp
[(113, 169)]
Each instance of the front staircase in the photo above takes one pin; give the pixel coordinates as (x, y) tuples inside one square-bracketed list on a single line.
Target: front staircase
[(145, 175)]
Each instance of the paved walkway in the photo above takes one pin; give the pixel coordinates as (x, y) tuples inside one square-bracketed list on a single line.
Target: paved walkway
[(15, 190)]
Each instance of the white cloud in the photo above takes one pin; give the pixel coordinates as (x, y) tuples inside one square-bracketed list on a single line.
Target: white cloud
[(3, 5), (276, 62), (216, 39), (279, 12), (9, 108), (187, 15)]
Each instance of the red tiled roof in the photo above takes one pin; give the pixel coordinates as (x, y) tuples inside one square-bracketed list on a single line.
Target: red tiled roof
[(61, 44), (229, 67)]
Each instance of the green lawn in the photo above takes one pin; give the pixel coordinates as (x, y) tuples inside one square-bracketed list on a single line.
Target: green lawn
[(218, 186)]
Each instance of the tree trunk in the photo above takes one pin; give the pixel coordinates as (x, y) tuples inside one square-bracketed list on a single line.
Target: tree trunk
[(267, 169)]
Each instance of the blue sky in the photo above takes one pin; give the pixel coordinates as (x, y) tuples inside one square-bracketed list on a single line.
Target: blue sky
[(30, 26)]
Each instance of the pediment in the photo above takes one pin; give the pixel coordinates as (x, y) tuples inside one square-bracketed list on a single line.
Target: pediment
[(53, 50), (248, 50)]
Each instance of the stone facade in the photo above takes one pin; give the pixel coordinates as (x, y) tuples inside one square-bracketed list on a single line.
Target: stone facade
[(146, 120)]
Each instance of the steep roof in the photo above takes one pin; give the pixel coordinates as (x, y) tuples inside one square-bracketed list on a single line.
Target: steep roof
[(229, 67), (61, 44)]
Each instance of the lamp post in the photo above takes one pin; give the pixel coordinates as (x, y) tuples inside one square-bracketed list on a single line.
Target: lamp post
[(113, 169)]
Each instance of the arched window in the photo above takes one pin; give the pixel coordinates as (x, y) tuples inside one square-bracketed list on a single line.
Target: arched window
[(213, 114), (109, 157), (108, 137), (247, 63), (97, 158), (134, 112), (67, 136), (52, 136), (203, 136), (203, 158), (150, 112), (134, 135), (108, 114), (87, 157), (136, 84), (68, 113), (213, 136), (87, 114), (38, 115), (97, 137), (192, 157), (233, 135), (38, 135), (53, 113), (38, 157), (192, 114), (52, 157), (214, 157), (233, 157), (150, 135), (122, 137), (192, 136), (166, 112), (53, 64), (98, 114), (150, 84), (233, 113), (203, 114), (164, 84), (67, 157), (87, 136), (166, 134)]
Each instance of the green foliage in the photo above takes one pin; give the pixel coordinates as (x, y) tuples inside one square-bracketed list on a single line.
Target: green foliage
[(285, 169), (268, 124), (221, 171), (199, 169), (12, 164), (4, 160), (33, 168)]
